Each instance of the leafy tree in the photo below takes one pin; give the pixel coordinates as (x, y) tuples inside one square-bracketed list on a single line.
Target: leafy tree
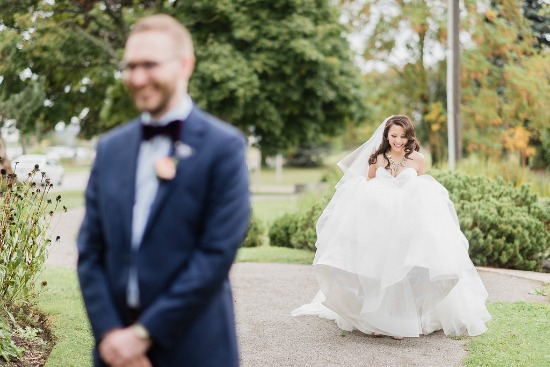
[(281, 70), (22, 107)]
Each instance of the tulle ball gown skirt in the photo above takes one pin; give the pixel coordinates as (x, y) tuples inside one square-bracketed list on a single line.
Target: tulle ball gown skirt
[(391, 259)]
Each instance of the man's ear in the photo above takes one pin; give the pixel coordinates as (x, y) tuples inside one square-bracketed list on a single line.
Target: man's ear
[(187, 66)]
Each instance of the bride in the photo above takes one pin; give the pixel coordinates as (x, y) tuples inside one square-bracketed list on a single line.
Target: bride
[(391, 258)]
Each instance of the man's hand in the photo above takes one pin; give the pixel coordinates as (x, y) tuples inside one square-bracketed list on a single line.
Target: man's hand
[(124, 348)]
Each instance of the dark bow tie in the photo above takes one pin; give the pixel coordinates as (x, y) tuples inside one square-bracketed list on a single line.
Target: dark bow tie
[(171, 130)]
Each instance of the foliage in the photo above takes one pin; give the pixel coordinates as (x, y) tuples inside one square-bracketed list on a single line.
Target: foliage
[(281, 70), (505, 82), (25, 218), (8, 349), (506, 227), (281, 231), (517, 337), (297, 230), (510, 171), (25, 230), (21, 106), (255, 234), (538, 14)]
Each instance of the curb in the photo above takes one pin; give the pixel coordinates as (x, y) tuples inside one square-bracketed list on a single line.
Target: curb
[(532, 275)]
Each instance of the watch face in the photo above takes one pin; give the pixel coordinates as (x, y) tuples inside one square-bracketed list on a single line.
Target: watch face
[(141, 332)]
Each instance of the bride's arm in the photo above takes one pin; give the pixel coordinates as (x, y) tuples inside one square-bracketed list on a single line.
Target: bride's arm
[(421, 162), (372, 171)]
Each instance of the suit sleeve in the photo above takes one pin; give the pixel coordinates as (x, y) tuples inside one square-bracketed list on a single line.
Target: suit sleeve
[(91, 270), (224, 228)]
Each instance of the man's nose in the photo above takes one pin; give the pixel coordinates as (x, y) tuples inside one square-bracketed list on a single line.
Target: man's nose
[(137, 77)]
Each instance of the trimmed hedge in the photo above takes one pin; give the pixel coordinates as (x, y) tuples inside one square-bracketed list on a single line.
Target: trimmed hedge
[(506, 227), (255, 235)]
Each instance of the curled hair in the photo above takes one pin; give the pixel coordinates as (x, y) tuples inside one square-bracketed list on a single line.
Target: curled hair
[(411, 145)]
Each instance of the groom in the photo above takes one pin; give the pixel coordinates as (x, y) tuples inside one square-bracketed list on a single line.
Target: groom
[(167, 206)]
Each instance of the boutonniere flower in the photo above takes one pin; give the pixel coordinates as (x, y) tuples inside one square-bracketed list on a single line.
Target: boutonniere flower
[(166, 168), (182, 150)]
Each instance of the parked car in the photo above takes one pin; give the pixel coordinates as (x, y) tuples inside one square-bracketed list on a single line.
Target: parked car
[(24, 164)]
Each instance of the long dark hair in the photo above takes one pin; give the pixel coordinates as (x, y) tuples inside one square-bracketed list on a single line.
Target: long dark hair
[(411, 145)]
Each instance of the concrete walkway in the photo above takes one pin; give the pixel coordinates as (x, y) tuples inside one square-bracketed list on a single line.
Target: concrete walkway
[(265, 294)]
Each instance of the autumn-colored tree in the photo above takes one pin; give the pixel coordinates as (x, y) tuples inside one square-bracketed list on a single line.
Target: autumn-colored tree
[(505, 81)]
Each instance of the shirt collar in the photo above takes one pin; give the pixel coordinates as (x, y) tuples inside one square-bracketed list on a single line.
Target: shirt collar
[(180, 112)]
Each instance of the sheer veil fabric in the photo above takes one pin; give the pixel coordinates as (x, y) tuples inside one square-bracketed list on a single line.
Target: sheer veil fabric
[(391, 258)]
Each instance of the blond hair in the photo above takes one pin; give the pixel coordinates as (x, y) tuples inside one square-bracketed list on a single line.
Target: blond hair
[(167, 24)]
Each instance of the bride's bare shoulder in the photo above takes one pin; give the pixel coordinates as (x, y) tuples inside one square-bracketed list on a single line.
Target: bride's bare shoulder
[(417, 156)]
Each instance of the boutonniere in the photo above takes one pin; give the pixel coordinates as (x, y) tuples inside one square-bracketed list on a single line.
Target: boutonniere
[(182, 150), (166, 168)]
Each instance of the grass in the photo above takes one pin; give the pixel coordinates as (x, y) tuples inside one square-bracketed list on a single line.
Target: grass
[(518, 336), (290, 176), (269, 210), (62, 302), (268, 254)]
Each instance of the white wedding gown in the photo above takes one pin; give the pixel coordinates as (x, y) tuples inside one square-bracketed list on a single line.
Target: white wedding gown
[(391, 259)]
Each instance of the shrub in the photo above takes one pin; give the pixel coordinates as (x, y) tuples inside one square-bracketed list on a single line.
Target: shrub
[(282, 229), (297, 230), (25, 217), (506, 227), (255, 235)]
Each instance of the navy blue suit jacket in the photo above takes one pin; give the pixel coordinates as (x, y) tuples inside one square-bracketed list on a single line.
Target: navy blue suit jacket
[(196, 224)]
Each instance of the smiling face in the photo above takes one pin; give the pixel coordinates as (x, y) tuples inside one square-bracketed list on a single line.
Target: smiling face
[(397, 138), (154, 73)]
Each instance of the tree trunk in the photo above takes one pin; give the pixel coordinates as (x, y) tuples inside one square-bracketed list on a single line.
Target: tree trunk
[(4, 159)]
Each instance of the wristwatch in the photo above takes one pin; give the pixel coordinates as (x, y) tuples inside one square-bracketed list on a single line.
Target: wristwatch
[(140, 331)]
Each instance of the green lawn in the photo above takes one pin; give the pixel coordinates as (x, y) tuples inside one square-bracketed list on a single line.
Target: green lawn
[(62, 302), (290, 176), (518, 336), (268, 254), (269, 210)]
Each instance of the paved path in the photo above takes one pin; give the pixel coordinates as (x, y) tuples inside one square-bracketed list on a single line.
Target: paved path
[(265, 294)]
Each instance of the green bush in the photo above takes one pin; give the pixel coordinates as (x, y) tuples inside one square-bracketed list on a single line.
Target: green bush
[(25, 217), (26, 211), (297, 230), (506, 227), (281, 230), (255, 235)]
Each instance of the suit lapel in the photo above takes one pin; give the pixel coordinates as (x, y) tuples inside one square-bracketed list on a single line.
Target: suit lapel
[(191, 133), (128, 157)]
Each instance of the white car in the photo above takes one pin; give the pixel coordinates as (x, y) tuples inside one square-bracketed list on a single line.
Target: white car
[(24, 164)]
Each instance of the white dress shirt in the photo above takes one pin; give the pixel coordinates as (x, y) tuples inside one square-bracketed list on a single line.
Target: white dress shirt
[(147, 185)]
